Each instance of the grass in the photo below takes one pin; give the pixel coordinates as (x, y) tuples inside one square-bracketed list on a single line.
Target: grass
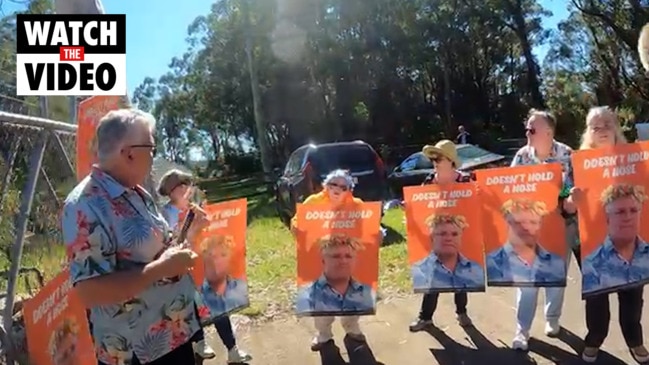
[(272, 264), (271, 257), (41, 253), (247, 187)]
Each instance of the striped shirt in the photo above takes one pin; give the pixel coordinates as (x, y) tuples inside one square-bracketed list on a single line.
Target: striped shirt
[(462, 177)]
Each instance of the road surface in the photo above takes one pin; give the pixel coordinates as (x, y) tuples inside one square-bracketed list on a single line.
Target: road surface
[(286, 342)]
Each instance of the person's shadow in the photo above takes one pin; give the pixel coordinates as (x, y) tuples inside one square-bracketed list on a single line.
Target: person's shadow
[(577, 344), (551, 352), (359, 353), (392, 236), (484, 352)]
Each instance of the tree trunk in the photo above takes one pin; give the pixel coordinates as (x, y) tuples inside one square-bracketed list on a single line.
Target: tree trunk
[(533, 83), (260, 124)]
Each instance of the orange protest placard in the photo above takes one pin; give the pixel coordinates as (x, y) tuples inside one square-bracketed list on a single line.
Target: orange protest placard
[(337, 252), (220, 273), (613, 184), (89, 112), (445, 243), (57, 326), (523, 230)]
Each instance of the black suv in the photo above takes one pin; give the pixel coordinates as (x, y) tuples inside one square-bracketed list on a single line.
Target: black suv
[(309, 165)]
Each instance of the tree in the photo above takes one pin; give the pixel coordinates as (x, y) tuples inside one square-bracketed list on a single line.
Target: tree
[(396, 72)]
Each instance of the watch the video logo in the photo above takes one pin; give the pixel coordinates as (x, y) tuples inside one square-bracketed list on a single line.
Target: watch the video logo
[(79, 55)]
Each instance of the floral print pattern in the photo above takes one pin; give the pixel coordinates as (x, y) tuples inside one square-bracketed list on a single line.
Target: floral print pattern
[(107, 228), (560, 153)]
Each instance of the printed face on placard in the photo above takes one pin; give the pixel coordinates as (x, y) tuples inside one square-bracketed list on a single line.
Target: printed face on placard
[(220, 273), (523, 229), (337, 252), (446, 238), (445, 244), (64, 345), (612, 226), (57, 312), (217, 254), (338, 262), (623, 218)]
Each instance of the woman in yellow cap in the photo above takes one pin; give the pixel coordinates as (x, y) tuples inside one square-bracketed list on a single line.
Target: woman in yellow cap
[(446, 162)]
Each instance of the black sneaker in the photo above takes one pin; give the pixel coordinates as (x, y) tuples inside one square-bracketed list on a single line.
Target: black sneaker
[(420, 324), (317, 346)]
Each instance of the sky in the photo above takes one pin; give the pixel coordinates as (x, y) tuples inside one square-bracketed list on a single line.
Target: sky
[(156, 31)]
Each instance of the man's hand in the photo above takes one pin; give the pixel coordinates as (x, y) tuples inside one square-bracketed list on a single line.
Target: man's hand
[(577, 195), (570, 203), (174, 262)]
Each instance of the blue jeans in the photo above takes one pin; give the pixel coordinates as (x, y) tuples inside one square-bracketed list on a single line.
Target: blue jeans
[(526, 299), (223, 328)]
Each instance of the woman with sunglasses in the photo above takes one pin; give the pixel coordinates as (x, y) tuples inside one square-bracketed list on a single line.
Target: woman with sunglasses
[(446, 162), (603, 129), (177, 186), (541, 148), (337, 190)]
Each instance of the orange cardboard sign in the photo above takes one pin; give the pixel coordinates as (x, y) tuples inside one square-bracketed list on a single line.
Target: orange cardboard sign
[(57, 326), (337, 252), (220, 273), (445, 243), (523, 230), (612, 227), (89, 112)]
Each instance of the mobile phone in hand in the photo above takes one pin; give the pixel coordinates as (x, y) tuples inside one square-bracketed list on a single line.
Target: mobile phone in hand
[(185, 227), (181, 239)]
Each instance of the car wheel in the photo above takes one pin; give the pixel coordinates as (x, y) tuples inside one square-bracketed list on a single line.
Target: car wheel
[(286, 220)]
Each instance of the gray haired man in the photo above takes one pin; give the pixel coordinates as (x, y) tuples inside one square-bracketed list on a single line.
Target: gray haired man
[(120, 254)]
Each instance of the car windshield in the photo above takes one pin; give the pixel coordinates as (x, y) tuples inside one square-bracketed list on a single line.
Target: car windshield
[(470, 152), (355, 158), (416, 161)]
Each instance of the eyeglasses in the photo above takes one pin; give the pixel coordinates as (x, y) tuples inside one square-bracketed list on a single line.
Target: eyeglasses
[(341, 187), (154, 149), (604, 128), (179, 185), (531, 131)]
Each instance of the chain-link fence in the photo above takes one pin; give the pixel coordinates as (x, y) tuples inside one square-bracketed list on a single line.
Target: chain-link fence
[(36, 172)]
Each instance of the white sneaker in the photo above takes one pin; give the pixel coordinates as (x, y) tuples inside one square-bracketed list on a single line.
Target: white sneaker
[(203, 350), (236, 356), (520, 342), (552, 328)]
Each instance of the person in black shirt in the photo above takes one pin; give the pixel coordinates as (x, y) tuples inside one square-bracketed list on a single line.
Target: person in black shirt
[(463, 136)]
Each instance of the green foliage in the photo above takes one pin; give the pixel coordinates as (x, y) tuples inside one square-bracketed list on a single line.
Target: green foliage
[(391, 72), (9, 209)]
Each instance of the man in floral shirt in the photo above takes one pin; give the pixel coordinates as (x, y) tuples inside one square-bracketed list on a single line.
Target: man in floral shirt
[(120, 259), (541, 148)]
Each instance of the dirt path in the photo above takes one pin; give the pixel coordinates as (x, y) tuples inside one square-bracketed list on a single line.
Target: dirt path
[(286, 342)]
